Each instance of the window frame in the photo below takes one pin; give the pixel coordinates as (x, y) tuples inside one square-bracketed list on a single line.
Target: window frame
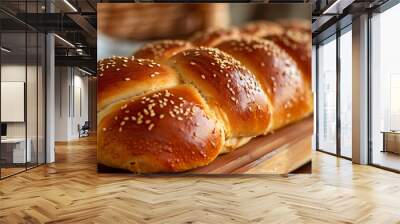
[(333, 37), (27, 29)]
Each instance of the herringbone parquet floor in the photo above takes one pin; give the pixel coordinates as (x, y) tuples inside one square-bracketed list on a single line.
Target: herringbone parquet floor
[(71, 191)]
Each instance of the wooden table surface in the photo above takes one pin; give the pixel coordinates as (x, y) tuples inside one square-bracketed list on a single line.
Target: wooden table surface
[(280, 152)]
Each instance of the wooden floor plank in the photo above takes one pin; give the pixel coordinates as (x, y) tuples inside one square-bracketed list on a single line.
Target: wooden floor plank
[(71, 191)]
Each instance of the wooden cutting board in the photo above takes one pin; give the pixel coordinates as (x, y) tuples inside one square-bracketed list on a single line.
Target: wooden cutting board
[(281, 152)]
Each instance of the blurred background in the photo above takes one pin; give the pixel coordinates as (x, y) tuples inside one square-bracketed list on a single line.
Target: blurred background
[(122, 27)]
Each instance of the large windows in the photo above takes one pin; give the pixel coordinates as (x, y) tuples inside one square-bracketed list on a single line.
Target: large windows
[(385, 89), (15, 150), (327, 96), (345, 92), (22, 78), (334, 102), (41, 96), (376, 69)]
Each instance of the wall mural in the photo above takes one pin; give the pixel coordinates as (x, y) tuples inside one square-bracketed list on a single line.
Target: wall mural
[(203, 90)]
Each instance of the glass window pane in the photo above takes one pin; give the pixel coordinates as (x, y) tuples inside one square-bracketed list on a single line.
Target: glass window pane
[(41, 98), (346, 94), (327, 96), (31, 97), (385, 89), (23, 86), (13, 86)]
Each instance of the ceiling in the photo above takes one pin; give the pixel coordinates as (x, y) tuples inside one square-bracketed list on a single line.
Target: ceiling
[(332, 15), (74, 21)]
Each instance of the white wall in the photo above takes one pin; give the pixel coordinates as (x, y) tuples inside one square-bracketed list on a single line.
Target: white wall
[(33, 127), (70, 83), (61, 103), (16, 73)]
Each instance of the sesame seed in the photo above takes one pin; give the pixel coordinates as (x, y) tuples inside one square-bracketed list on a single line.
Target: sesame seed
[(127, 79), (104, 129), (161, 116), (120, 129), (203, 77), (122, 123), (151, 126), (147, 121)]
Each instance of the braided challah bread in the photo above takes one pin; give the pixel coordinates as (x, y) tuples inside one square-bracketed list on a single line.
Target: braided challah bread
[(177, 105)]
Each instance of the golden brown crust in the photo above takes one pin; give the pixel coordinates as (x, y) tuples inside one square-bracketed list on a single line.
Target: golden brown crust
[(165, 131), (162, 50), (297, 44), (231, 91), (214, 36), (122, 77), (261, 29), (278, 75)]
